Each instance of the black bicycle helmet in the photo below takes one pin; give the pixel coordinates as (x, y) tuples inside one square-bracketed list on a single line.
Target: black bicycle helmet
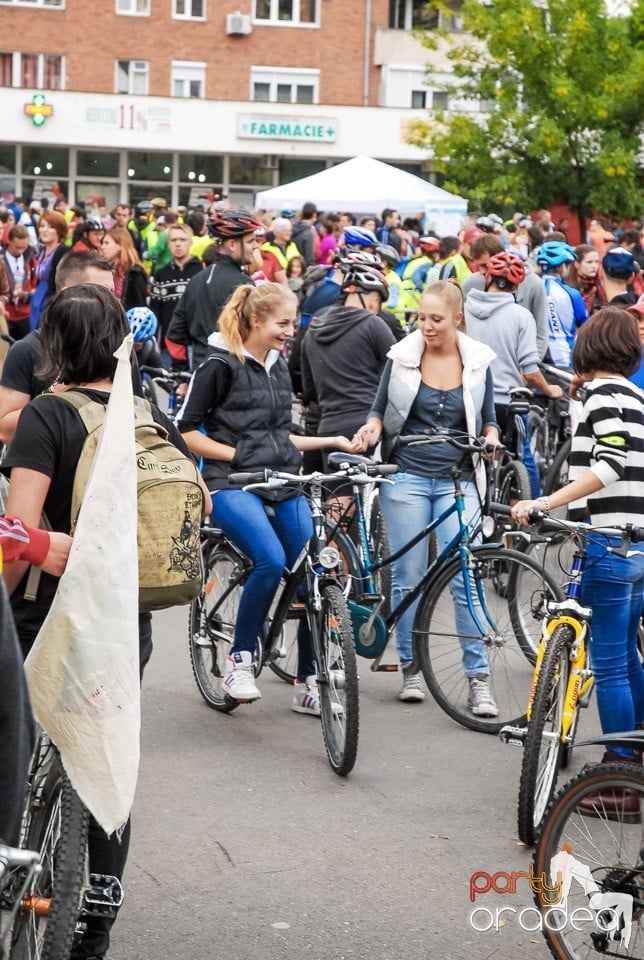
[(92, 223), (233, 223), (360, 278), (345, 259)]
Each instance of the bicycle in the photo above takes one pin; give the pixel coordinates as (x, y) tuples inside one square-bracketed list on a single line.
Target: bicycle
[(550, 430), (213, 614), (169, 381), (562, 682), (504, 619), (18, 870), (47, 906), (605, 843)]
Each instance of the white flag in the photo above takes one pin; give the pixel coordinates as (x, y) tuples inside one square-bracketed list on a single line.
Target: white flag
[(83, 669)]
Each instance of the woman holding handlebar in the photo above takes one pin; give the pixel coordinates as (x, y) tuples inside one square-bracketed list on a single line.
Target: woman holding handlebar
[(607, 482), (436, 379), (241, 396)]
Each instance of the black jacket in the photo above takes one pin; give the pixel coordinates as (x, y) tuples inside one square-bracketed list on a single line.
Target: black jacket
[(168, 286), (197, 313), (246, 406), (343, 354), (303, 239)]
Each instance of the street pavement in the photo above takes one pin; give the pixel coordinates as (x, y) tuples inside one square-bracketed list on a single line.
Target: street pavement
[(246, 845)]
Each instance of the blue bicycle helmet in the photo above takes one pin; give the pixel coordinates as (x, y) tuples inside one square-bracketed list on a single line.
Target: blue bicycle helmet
[(359, 237), (143, 323), (553, 253)]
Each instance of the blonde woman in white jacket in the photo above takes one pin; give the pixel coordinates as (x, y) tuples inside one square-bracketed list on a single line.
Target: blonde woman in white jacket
[(437, 378)]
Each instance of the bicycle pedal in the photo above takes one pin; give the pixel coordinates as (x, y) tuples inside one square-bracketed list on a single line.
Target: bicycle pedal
[(386, 668), (103, 897), (513, 735)]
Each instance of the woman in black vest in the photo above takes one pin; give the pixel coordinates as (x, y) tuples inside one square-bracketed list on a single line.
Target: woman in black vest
[(241, 395)]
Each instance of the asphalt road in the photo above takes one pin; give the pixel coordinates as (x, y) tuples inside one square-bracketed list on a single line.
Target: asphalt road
[(246, 845)]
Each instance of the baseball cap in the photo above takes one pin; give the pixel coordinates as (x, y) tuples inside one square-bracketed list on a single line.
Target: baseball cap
[(158, 202), (637, 309), (287, 214), (471, 234), (618, 263)]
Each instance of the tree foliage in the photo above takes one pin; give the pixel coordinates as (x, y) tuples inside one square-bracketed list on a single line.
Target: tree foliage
[(562, 84)]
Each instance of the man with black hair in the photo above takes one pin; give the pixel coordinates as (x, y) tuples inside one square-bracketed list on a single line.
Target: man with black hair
[(305, 236)]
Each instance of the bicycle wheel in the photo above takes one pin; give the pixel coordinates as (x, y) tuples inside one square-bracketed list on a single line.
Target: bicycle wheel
[(543, 748), (557, 475), (284, 664), (211, 624), (514, 483), (57, 828), (608, 852), (440, 646), (379, 546), (338, 693)]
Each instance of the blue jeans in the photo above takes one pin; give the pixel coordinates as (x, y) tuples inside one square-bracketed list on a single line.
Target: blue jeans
[(614, 587), (273, 536), (408, 505)]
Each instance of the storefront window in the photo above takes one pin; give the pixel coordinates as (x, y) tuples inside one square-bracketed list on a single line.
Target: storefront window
[(92, 163), (250, 170), (149, 166), (7, 172), (200, 168), (35, 188), (147, 191), (45, 161), (293, 169)]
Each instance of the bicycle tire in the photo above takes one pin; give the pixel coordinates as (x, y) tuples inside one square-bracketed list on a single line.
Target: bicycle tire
[(543, 748), (557, 475), (609, 845), (208, 648), (438, 650), (339, 698), (514, 483), (57, 828), (380, 549)]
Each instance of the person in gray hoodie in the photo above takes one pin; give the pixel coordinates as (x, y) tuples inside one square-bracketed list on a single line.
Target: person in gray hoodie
[(494, 317), (344, 352)]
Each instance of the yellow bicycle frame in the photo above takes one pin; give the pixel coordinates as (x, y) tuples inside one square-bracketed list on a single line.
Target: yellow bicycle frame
[(577, 683)]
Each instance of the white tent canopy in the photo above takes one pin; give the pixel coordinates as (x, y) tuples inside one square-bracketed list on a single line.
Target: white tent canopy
[(364, 185)]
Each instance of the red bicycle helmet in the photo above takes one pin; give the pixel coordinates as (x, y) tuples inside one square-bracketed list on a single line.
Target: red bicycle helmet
[(507, 266), (234, 223), (429, 244)]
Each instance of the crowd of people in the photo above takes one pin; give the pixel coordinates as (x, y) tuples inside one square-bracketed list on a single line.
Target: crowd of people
[(382, 328)]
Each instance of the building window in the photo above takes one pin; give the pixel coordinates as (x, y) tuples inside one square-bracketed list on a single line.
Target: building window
[(410, 14), (33, 3), (284, 85), (451, 19), (142, 165), (34, 71), (94, 163), (418, 99), (287, 12), (133, 8), (188, 79), (189, 9), (132, 76), (440, 100)]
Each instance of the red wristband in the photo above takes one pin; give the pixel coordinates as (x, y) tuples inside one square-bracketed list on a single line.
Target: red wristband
[(37, 549)]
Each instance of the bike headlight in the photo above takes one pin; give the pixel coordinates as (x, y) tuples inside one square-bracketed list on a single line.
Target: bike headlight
[(488, 526), (329, 557)]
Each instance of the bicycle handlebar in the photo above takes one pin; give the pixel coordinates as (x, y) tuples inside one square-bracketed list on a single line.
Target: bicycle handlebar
[(277, 478), (628, 531), (167, 376), (473, 445)]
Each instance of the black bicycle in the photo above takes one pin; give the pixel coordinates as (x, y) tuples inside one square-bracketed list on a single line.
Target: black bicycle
[(213, 615)]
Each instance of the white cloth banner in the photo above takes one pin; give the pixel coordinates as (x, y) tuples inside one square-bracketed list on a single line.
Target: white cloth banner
[(83, 669)]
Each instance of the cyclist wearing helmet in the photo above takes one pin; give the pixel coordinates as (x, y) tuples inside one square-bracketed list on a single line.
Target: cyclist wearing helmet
[(143, 324), (566, 307), (91, 236), (494, 317), (235, 232), (344, 351)]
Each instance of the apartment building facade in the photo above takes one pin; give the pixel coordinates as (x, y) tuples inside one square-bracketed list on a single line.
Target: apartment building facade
[(129, 99)]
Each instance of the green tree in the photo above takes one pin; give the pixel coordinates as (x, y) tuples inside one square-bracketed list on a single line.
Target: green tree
[(560, 84)]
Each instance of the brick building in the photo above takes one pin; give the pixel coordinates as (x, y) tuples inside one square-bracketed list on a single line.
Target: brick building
[(172, 97)]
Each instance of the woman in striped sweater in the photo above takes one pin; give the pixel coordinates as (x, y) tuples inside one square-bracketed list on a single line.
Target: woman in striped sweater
[(607, 480)]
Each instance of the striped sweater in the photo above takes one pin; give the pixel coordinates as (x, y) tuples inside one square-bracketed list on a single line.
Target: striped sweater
[(609, 440)]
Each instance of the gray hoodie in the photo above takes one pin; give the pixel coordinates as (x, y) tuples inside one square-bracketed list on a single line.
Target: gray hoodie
[(496, 319)]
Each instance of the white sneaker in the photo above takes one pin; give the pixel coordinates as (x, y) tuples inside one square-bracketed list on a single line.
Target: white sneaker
[(412, 688), (239, 682), (480, 701), (306, 698)]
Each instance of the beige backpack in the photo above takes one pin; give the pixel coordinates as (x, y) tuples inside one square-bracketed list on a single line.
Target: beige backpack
[(169, 503)]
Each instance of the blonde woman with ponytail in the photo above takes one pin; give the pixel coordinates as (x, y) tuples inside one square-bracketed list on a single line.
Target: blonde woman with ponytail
[(241, 397)]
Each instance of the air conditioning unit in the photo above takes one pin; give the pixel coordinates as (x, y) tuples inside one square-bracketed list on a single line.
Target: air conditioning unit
[(270, 162), (237, 23)]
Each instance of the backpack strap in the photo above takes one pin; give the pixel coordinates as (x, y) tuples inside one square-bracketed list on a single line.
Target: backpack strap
[(35, 573), (91, 412)]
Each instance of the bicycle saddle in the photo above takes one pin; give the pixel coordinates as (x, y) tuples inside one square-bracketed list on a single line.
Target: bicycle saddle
[(353, 459)]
